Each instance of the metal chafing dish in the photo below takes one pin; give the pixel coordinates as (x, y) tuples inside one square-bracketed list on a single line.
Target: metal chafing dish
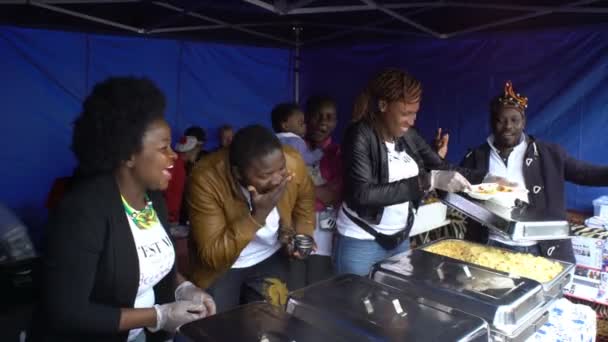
[(518, 223), (367, 309), (259, 322), (552, 289), (514, 307)]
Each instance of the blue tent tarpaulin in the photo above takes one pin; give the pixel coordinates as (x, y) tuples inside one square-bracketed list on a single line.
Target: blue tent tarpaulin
[(47, 74)]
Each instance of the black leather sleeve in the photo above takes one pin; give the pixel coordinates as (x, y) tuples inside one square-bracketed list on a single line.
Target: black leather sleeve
[(362, 188), (477, 172)]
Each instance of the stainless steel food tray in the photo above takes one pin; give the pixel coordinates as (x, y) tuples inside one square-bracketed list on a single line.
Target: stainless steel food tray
[(519, 223), (260, 322), (527, 328), (381, 313), (552, 289), (505, 302)]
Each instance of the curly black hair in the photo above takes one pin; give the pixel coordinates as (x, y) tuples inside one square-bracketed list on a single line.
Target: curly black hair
[(114, 118), (250, 143), (281, 113), (225, 128), (315, 103)]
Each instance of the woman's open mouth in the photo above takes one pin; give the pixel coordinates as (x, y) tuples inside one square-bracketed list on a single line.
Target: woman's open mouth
[(167, 172)]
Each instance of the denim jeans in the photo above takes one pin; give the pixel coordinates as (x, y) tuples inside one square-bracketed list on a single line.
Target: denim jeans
[(357, 256), (534, 250)]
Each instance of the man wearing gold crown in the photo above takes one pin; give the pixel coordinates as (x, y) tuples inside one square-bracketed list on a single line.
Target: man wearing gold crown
[(542, 167)]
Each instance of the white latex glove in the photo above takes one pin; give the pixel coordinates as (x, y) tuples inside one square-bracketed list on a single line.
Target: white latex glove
[(171, 316), (450, 181), (490, 178), (189, 291)]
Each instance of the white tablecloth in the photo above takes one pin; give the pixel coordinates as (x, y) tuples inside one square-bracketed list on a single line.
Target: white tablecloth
[(568, 322)]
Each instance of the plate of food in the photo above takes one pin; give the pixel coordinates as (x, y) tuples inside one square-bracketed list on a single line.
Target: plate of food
[(483, 191), (507, 196), (509, 189), (501, 194)]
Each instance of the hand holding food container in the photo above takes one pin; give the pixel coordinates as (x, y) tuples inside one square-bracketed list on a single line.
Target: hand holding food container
[(303, 245), (450, 181), (189, 292), (299, 246)]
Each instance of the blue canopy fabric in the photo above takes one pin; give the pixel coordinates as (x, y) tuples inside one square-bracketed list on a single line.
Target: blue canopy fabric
[(47, 74)]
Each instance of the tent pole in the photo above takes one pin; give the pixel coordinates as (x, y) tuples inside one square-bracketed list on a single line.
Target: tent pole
[(76, 2), (358, 8), (186, 28), (510, 7), (521, 18), (266, 6), (301, 3), (403, 19), (86, 17), (221, 22), (206, 27), (296, 70)]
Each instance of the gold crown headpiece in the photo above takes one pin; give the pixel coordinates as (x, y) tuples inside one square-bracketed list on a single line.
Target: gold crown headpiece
[(510, 98)]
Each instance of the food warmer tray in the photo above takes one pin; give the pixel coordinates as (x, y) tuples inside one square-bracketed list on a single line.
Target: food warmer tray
[(552, 289), (514, 307), (259, 322), (380, 313), (517, 223)]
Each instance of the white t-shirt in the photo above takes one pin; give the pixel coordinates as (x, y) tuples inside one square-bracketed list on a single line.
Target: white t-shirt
[(310, 156), (400, 166), (514, 172), (156, 258), (265, 243)]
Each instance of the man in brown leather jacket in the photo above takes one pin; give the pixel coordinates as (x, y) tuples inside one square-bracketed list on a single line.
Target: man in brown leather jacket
[(245, 202)]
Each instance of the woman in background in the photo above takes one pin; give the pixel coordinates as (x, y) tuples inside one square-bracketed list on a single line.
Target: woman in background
[(321, 120)]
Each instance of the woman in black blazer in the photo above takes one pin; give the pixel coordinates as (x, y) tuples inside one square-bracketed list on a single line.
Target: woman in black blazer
[(109, 265)]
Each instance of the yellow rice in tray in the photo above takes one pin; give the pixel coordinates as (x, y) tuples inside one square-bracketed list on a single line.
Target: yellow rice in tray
[(524, 265)]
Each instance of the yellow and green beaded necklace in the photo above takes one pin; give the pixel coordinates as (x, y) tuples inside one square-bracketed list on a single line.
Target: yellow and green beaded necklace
[(143, 219)]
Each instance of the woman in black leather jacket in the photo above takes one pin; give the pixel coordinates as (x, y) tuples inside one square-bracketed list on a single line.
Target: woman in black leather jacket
[(386, 172)]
